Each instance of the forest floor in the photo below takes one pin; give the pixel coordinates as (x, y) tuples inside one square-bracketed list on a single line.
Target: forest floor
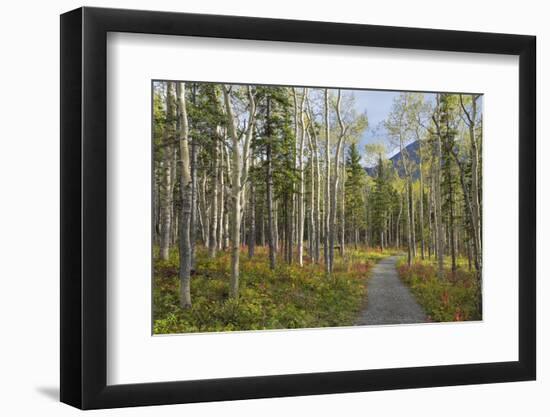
[(368, 286), (389, 300), (288, 297)]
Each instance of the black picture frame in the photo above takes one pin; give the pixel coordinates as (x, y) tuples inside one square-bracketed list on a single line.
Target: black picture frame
[(84, 207)]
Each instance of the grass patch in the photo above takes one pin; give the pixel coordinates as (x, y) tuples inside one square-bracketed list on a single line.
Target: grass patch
[(285, 298), (454, 298)]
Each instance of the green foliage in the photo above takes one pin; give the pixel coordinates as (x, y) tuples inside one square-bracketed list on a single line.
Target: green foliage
[(275, 124), (454, 298), (286, 298), (355, 185), (448, 127), (383, 197), (159, 114)]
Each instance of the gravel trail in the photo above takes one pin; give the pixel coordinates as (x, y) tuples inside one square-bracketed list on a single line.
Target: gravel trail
[(389, 300)]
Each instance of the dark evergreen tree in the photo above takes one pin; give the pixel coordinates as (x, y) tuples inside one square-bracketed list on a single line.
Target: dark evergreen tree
[(355, 196)]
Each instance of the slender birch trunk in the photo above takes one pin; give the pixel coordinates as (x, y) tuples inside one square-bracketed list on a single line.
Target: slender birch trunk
[(221, 198), (212, 240), (343, 194), (430, 230), (438, 213), (335, 181), (328, 259), (204, 212), (451, 215), (227, 200), (317, 181), (398, 243), (239, 172), (235, 197), (474, 195), (409, 224), (421, 207), (252, 215), (185, 194), (312, 235), (410, 206), (271, 237), (166, 176), (155, 208), (193, 218), (301, 201), (276, 227)]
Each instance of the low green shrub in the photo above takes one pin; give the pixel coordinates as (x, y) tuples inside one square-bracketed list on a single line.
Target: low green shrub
[(453, 298)]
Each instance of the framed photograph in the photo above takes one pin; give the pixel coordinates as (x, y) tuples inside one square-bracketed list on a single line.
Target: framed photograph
[(258, 208)]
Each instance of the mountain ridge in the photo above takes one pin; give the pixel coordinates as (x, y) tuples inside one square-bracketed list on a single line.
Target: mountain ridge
[(412, 152)]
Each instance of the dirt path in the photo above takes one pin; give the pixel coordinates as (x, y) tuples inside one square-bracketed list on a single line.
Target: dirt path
[(389, 300)]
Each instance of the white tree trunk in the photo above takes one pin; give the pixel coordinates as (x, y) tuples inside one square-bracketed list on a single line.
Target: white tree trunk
[(301, 202), (328, 266), (335, 180), (166, 176), (185, 193), (271, 219), (343, 195), (214, 211), (239, 172), (421, 214), (316, 189), (438, 213), (221, 198)]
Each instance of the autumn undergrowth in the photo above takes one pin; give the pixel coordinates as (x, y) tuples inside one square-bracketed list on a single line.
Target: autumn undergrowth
[(453, 298), (285, 298)]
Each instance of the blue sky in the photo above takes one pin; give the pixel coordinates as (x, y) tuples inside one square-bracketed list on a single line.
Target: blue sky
[(377, 104)]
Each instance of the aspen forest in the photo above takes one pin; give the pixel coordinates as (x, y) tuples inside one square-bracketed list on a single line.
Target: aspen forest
[(279, 207)]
